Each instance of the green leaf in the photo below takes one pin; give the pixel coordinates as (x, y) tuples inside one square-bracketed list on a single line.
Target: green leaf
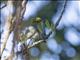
[(48, 24), (39, 27)]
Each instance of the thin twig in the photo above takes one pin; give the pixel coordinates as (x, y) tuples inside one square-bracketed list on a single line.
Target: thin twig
[(35, 43), (23, 7), (1, 7), (57, 23), (40, 41), (48, 34)]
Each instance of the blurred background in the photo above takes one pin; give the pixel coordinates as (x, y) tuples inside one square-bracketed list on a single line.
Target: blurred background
[(65, 44)]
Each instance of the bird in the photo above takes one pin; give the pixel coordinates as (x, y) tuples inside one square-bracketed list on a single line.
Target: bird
[(35, 29)]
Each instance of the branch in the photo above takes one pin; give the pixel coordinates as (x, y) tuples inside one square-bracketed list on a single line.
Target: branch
[(19, 13), (40, 41), (3, 6), (20, 7), (7, 31), (23, 7), (12, 22), (25, 52), (35, 43), (57, 23)]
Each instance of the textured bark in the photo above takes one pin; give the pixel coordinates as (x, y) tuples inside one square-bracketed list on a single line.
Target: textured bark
[(8, 28), (20, 7), (12, 23)]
